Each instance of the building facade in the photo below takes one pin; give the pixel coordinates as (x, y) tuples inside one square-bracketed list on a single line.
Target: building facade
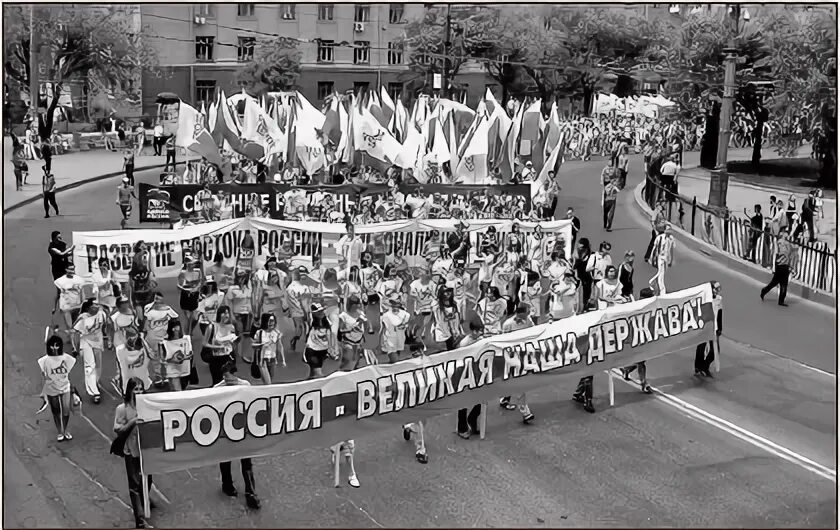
[(202, 47)]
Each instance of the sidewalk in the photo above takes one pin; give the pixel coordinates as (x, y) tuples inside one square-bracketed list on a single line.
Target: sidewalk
[(68, 169), (694, 182)]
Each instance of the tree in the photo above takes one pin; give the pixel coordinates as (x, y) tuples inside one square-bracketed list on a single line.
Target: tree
[(802, 60), (525, 53), (425, 41), (275, 66), (600, 44), (99, 46)]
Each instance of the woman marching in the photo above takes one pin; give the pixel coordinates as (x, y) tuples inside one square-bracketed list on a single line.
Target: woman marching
[(492, 310), (208, 302), (55, 367), (175, 350), (156, 322), (448, 328), (370, 275), (267, 344), (219, 339), (273, 298), (317, 342), (189, 284), (351, 327), (351, 332), (90, 326), (107, 287), (608, 291), (240, 299), (127, 445), (128, 346)]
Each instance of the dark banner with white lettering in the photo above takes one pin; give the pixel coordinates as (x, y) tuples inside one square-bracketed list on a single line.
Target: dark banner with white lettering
[(161, 204)]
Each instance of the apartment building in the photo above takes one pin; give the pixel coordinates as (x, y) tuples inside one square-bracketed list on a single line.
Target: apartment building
[(201, 47)]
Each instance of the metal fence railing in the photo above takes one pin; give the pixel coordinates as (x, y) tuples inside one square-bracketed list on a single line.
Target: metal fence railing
[(815, 266)]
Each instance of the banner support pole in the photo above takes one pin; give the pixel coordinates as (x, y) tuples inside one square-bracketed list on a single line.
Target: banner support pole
[(144, 479), (611, 386), (336, 454), (482, 420)]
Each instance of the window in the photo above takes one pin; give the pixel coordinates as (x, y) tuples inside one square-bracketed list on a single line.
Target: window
[(360, 86), (325, 51), (325, 12), (205, 91), (245, 10), (325, 88), (245, 51), (395, 90), (205, 10), (395, 53), (204, 48), (287, 11), (395, 13), (362, 13), (361, 52)]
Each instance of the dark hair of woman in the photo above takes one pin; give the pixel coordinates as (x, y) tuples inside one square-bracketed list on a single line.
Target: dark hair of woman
[(353, 301), (320, 322), (218, 257), (170, 328), (52, 341), (130, 387), (220, 311), (444, 300), (209, 288), (264, 321), (87, 305)]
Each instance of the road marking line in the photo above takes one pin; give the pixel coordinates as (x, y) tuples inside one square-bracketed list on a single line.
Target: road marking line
[(101, 486), (739, 432), (107, 439), (782, 357)]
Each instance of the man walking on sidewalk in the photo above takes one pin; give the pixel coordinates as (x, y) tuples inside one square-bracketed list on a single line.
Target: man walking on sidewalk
[(608, 200), (785, 257), (48, 188)]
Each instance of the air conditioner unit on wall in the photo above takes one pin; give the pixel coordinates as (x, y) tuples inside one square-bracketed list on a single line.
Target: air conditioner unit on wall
[(359, 27)]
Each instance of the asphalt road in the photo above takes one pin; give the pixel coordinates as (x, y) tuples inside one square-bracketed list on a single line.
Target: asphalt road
[(641, 463)]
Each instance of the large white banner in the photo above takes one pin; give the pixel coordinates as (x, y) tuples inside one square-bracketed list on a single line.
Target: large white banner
[(181, 430), (307, 240)]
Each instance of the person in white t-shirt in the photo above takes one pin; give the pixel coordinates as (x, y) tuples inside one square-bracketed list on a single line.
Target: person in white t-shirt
[(70, 299), (55, 368), (300, 298), (598, 262), (421, 292), (394, 325), (105, 282), (90, 326), (351, 247)]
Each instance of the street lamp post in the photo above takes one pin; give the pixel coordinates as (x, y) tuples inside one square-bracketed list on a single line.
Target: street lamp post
[(719, 183)]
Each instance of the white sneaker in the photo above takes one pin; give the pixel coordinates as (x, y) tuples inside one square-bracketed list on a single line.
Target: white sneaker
[(354, 481)]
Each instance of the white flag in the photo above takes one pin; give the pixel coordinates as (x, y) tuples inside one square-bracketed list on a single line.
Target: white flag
[(374, 139)]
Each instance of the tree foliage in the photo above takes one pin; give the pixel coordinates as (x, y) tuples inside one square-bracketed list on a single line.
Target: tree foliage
[(275, 66), (425, 40), (97, 45)]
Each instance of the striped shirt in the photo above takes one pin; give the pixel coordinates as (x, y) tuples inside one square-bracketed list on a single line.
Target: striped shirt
[(784, 252), (663, 247)]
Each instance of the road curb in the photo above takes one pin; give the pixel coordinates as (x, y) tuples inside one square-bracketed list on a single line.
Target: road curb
[(701, 173), (744, 267), (78, 183)]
